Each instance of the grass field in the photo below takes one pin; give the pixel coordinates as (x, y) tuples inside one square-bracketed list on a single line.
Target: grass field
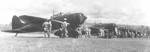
[(34, 42)]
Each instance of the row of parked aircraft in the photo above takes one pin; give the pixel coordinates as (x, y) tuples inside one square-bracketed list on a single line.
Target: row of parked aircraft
[(26, 23)]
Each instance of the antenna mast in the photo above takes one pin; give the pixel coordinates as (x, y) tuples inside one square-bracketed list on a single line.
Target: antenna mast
[(53, 11)]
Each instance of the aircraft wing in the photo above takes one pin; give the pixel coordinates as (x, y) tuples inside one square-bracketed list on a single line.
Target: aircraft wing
[(26, 28), (74, 18), (17, 30)]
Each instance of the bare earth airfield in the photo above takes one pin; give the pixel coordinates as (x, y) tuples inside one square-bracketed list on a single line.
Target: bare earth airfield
[(34, 42)]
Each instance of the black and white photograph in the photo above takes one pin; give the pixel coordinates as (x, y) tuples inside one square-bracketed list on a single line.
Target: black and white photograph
[(74, 25)]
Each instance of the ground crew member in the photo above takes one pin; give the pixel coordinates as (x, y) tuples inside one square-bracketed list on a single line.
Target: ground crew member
[(64, 27), (116, 32), (47, 28), (102, 32), (79, 30), (87, 31)]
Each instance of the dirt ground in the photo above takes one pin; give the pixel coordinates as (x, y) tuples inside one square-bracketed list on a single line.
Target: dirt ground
[(34, 42)]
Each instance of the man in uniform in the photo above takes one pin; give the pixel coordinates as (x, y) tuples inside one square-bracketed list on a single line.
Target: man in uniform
[(87, 31), (102, 32), (46, 25), (116, 32), (79, 30), (64, 28)]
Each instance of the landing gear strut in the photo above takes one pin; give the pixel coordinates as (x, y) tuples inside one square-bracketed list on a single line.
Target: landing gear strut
[(16, 34)]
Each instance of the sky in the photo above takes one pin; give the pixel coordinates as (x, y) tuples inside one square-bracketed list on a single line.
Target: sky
[(132, 12)]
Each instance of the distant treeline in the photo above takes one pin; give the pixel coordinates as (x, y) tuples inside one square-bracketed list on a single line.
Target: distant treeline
[(5, 26)]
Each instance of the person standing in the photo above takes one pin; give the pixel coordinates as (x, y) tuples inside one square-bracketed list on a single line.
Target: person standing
[(46, 28), (64, 27), (87, 31), (79, 30), (102, 32)]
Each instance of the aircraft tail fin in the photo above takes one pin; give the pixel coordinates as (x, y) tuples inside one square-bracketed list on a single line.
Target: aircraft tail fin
[(16, 23)]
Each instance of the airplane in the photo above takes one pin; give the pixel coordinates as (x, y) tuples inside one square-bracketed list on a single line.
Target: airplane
[(26, 23)]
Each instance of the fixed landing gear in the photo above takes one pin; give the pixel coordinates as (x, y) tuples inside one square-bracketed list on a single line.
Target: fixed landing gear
[(16, 34)]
